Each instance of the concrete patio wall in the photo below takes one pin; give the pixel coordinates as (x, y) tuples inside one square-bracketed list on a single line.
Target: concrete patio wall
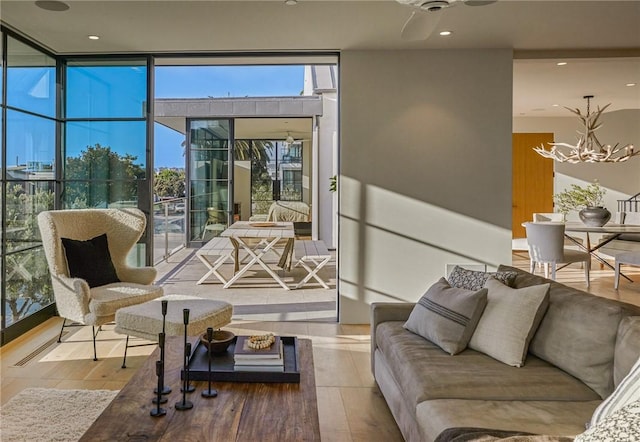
[(425, 170)]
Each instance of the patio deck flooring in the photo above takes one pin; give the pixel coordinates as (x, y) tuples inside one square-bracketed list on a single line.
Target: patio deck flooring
[(255, 297)]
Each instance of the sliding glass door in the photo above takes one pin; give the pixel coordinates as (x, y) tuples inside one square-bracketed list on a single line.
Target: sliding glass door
[(210, 177)]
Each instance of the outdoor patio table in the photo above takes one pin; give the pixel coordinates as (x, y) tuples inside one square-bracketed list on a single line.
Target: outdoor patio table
[(269, 233)]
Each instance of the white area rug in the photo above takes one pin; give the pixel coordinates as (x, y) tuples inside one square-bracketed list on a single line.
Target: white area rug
[(47, 414)]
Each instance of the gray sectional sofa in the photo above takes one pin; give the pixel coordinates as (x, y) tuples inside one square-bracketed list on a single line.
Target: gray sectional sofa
[(582, 349)]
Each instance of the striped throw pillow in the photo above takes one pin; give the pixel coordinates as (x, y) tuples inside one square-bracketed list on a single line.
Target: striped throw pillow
[(628, 391), (447, 316)]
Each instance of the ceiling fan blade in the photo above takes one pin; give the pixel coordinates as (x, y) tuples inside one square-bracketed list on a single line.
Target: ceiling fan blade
[(420, 25), (479, 2)]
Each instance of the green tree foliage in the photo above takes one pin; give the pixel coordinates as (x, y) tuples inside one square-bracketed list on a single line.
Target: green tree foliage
[(28, 285), (99, 176), (169, 183)]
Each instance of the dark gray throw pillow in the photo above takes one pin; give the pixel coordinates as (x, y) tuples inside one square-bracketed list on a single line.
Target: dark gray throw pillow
[(90, 260), (475, 280), (447, 316)]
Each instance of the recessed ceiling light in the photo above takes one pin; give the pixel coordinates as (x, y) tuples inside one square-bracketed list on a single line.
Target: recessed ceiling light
[(93, 37), (290, 2), (561, 63), (555, 105), (445, 33), (630, 84), (52, 5)]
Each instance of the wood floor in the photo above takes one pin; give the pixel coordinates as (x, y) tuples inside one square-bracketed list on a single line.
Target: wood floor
[(350, 406)]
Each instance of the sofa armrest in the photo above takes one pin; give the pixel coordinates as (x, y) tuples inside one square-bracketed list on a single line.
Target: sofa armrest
[(383, 312)]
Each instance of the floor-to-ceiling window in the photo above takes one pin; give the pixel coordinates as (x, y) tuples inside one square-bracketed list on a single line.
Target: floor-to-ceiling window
[(29, 111), (276, 173), (75, 134), (105, 137)]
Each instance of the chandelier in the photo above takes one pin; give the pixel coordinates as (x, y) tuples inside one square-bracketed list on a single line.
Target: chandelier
[(588, 149)]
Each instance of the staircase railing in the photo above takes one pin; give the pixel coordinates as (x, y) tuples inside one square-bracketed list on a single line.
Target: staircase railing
[(630, 205)]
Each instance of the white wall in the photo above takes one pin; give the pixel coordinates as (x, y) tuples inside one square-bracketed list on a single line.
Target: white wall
[(425, 163), (620, 179), (242, 187), (327, 167)]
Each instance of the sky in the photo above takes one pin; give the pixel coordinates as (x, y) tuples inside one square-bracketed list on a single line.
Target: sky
[(116, 91), (216, 82)]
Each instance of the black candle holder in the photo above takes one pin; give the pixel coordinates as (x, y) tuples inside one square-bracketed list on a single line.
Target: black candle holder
[(209, 393), (187, 387), (158, 411), (165, 388), (185, 404), (159, 390)]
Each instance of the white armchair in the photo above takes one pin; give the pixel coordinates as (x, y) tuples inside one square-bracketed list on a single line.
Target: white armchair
[(75, 299)]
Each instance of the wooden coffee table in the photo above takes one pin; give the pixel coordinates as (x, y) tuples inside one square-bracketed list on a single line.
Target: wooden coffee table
[(241, 412)]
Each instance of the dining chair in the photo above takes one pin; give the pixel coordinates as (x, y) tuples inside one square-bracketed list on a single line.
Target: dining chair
[(546, 246), (548, 217), (627, 258), (213, 223)]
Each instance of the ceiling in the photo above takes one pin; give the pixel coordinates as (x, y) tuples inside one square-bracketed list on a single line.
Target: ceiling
[(255, 128), (541, 32)]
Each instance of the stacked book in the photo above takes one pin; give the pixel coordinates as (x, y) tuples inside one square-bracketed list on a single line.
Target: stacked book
[(262, 359)]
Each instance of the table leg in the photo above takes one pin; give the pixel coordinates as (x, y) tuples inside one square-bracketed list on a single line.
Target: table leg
[(212, 269), (256, 259), (592, 251)]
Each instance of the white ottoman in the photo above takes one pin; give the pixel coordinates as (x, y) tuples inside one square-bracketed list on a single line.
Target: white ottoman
[(145, 320)]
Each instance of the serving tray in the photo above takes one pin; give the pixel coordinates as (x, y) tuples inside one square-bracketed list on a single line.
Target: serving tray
[(222, 365)]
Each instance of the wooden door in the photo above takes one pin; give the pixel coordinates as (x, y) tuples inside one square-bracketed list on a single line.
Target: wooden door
[(532, 180)]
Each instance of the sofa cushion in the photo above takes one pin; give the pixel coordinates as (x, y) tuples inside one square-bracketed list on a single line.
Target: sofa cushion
[(423, 371), (623, 425), (90, 260), (447, 316), (578, 332), (475, 280), (465, 434), (627, 349), (558, 418), (509, 321), (627, 392)]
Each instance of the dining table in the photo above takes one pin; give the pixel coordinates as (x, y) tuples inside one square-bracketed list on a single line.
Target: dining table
[(610, 230), (257, 239)]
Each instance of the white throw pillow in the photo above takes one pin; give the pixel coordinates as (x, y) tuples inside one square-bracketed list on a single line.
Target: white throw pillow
[(509, 321), (628, 391)]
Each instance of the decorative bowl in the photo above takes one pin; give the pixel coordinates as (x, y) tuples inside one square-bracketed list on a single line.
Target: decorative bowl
[(219, 343)]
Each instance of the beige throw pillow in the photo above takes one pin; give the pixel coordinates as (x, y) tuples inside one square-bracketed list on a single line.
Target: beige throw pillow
[(447, 315), (509, 321)]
